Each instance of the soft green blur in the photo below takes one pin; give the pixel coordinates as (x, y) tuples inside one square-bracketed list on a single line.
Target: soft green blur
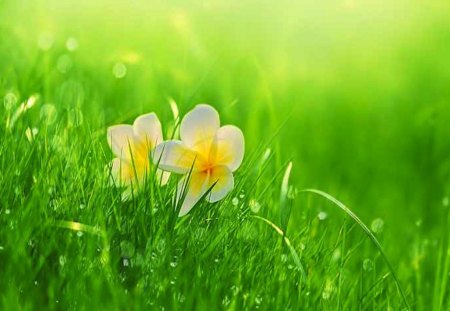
[(355, 93)]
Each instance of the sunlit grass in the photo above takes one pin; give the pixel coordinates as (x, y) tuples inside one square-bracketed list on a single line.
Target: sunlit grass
[(350, 98)]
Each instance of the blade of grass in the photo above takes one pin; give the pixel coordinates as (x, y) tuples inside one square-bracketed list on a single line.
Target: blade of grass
[(288, 243), (369, 234)]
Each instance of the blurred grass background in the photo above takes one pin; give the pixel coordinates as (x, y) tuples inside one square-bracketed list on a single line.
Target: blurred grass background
[(362, 88)]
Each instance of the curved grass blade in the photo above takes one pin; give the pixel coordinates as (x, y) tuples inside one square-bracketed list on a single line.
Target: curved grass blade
[(369, 234), (285, 202), (288, 243)]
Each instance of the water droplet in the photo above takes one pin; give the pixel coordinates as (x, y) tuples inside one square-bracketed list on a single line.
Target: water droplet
[(235, 201), (226, 301), (119, 70), (258, 300), (368, 264), (64, 63), (74, 117), (173, 264), (1, 248), (254, 206), (79, 234), (336, 255), (7, 211), (62, 260), (48, 113), (71, 44), (377, 225), (35, 283), (445, 201), (45, 41), (10, 101), (241, 196), (322, 215), (82, 206), (125, 262), (217, 260), (419, 222)]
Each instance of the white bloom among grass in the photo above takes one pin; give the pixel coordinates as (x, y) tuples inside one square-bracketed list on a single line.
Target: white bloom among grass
[(207, 155), (132, 146)]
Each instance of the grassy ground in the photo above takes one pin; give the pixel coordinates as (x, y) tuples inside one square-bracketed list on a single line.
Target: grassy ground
[(355, 95)]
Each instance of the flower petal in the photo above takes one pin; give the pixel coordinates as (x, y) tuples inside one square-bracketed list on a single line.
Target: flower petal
[(222, 182), (198, 128), (162, 177), (175, 157), (228, 147), (122, 172), (147, 129), (192, 192), (120, 139)]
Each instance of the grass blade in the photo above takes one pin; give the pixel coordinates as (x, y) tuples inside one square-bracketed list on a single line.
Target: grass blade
[(369, 234)]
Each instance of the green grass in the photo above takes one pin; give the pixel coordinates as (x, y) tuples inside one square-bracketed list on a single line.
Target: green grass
[(350, 98)]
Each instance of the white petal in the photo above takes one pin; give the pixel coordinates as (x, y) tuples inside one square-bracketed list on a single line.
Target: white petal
[(228, 147), (122, 172), (222, 182), (120, 139), (192, 192), (162, 177), (147, 129), (198, 128), (175, 157)]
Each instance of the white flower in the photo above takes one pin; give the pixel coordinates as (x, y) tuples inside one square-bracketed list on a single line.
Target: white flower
[(208, 152), (132, 146)]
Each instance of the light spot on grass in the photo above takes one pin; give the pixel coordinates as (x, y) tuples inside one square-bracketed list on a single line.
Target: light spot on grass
[(48, 114), (75, 117), (226, 301), (30, 133), (336, 255), (119, 70), (71, 44), (254, 206), (10, 101), (445, 201), (7, 211), (45, 41), (64, 63), (258, 300), (328, 290), (368, 264)]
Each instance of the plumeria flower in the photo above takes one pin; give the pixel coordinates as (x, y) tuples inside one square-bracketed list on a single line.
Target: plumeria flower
[(207, 155), (132, 146)]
